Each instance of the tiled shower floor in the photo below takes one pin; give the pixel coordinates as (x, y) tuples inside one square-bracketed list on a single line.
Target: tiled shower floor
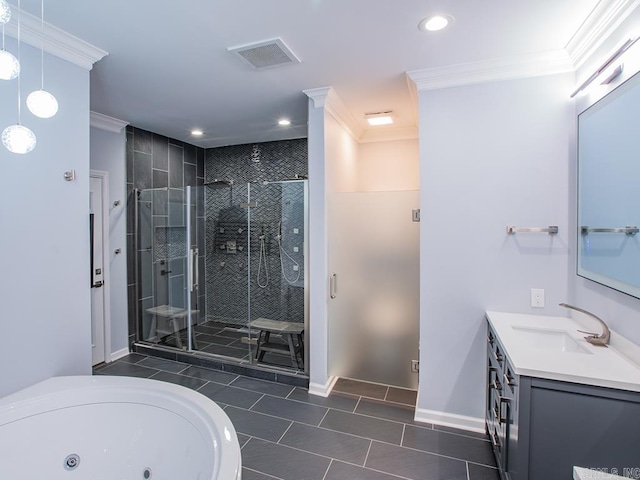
[(362, 431), (226, 340)]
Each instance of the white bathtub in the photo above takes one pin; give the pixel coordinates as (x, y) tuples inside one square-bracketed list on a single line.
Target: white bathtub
[(115, 428)]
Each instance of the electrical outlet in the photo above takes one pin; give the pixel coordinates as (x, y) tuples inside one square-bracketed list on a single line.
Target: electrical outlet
[(415, 366), (537, 297)]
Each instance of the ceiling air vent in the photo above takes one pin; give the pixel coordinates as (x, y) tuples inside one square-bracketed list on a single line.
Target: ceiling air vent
[(269, 53)]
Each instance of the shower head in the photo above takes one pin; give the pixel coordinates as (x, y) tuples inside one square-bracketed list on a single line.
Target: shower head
[(219, 183)]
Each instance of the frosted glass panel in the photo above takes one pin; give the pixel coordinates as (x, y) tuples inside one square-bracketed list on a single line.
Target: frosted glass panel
[(374, 317)]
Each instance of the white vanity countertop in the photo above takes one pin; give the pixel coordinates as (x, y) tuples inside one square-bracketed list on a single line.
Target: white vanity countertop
[(605, 367)]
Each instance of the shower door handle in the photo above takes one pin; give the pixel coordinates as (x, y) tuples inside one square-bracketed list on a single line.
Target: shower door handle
[(194, 277), (333, 286)]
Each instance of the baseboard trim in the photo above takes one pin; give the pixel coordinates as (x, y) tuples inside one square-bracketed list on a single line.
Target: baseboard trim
[(322, 390), (123, 352), (450, 420)]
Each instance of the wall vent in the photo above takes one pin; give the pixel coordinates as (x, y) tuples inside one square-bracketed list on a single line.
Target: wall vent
[(265, 54)]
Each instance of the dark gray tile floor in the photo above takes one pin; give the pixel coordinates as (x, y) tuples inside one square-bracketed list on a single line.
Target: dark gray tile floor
[(360, 432), (218, 339)]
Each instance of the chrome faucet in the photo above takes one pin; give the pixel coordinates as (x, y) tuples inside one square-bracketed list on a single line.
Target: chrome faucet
[(593, 338)]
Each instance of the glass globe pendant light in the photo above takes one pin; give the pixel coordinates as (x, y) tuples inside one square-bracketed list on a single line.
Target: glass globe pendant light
[(17, 138), (9, 65), (40, 102), (5, 12)]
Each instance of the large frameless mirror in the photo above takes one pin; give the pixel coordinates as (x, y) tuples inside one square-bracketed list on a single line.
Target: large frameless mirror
[(609, 189)]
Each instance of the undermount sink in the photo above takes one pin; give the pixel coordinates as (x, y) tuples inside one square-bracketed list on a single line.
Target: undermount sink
[(550, 340)]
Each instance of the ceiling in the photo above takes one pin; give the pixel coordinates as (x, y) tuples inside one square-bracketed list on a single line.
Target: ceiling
[(168, 69)]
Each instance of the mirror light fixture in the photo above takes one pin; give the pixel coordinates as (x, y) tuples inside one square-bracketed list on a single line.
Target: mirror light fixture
[(626, 45), (17, 138), (434, 23), (40, 102), (379, 118)]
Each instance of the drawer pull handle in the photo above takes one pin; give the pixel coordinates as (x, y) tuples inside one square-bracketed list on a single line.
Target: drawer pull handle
[(509, 379), (494, 440), (490, 371), (506, 417), (497, 356), (497, 385)]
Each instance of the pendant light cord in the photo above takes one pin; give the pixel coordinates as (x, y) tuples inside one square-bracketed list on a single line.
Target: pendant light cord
[(42, 45), (19, 58)]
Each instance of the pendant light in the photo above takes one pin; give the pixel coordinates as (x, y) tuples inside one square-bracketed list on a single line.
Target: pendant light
[(9, 65), (40, 102), (18, 138), (5, 12)]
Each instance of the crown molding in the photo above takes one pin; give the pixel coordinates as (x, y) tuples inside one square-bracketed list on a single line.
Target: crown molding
[(105, 122), (318, 95), (53, 39), (506, 68), (599, 25), (327, 98)]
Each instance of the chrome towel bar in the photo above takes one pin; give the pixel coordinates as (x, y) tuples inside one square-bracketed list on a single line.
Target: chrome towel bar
[(551, 230), (629, 230)]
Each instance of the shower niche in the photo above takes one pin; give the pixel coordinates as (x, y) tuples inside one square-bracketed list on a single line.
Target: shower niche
[(214, 259)]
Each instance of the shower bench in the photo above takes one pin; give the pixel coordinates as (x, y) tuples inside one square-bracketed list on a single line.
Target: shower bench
[(290, 332), (175, 318)]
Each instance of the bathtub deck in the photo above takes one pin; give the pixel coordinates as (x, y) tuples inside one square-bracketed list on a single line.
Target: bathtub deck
[(361, 431)]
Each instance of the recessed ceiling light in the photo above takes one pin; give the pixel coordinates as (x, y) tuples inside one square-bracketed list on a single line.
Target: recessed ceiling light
[(379, 118), (197, 133), (433, 23), (283, 122)]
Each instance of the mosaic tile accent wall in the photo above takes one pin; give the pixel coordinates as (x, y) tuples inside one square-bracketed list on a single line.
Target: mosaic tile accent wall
[(168, 165), (245, 258), (229, 248)]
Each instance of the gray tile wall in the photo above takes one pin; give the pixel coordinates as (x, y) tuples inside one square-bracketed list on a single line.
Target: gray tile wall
[(156, 161), (228, 272)]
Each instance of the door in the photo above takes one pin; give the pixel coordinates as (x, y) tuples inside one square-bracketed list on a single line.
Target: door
[(169, 257), (374, 280), (97, 274)]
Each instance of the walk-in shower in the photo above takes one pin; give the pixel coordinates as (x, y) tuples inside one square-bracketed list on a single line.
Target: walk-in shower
[(219, 263)]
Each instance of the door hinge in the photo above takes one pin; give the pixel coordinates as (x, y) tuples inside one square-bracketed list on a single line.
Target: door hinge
[(415, 366)]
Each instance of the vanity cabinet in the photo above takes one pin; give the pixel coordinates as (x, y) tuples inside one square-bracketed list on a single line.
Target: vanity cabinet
[(540, 428)]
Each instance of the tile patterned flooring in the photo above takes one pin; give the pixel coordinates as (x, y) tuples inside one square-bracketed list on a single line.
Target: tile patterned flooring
[(226, 340), (362, 431)]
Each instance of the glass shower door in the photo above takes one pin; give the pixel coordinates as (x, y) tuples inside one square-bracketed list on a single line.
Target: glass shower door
[(167, 259), (277, 228)]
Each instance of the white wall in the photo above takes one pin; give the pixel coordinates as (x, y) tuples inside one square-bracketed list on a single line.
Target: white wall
[(108, 153), (621, 312), (388, 166), (341, 157), (44, 287), (491, 155)]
